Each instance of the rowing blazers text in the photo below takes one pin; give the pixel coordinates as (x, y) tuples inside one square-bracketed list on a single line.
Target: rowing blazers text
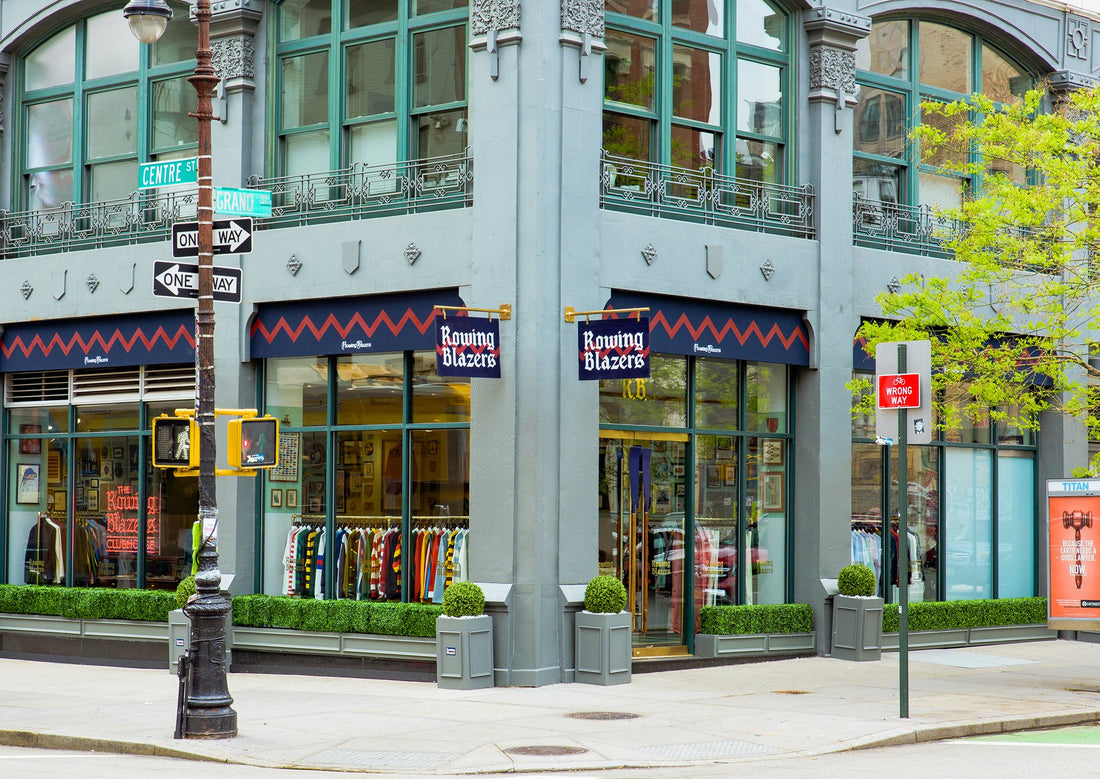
[(465, 346), (613, 349)]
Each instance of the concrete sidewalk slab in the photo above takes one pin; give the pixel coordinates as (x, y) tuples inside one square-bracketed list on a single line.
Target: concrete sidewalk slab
[(714, 714)]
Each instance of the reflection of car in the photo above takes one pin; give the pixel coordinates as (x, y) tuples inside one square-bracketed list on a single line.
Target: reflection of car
[(968, 569)]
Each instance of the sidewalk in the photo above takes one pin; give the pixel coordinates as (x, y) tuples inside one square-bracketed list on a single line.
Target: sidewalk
[(731, 713)]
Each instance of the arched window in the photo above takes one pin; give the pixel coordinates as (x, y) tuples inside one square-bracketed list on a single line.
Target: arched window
[(95, 103), (900, 64), (699, 84), (369, 82)]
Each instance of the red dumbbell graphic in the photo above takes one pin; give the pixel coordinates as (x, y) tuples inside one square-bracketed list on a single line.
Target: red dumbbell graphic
[(1077, 520)]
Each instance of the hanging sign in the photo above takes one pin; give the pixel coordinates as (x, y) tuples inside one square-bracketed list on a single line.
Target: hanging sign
[(465, 346), (614, 349), (1073, 532)]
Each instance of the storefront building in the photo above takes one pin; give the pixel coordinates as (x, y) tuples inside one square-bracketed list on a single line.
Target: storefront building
[(737, 171)]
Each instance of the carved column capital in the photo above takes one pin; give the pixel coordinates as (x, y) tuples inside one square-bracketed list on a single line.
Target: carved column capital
[(832, 36), (486, 15)]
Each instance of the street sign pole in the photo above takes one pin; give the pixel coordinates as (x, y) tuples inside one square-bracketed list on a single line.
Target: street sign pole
[(903, 547)]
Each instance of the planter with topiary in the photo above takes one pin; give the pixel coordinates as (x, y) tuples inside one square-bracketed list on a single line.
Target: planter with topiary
[(464, 639), (603, 634), (857, 615)]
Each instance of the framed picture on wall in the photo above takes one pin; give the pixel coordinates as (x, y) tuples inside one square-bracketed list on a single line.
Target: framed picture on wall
[(276, 499), (30, 445), (292, 499), (772, 451), (714, 476), (771, 492), (729, 475), (289, 455), (723, 447), (29, 481)]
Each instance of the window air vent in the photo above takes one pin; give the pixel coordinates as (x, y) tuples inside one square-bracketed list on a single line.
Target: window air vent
[(90, 386), (168, 382), (35, 387)]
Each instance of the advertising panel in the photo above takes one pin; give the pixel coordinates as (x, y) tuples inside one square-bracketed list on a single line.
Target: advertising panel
[(465, 346), (1073, 529), (614, 349)]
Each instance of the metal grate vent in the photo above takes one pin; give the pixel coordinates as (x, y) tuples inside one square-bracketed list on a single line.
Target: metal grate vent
[(603, 715), (36, 387), (545, 751), (90, 386), (168, 382)]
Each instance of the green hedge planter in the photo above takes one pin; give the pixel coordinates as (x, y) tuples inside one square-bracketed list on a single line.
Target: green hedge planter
[(963, 614), (87, 602), (753, 620), (336, 616)]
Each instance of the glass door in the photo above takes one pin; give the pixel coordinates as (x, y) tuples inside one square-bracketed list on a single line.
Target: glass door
[(643, 492)]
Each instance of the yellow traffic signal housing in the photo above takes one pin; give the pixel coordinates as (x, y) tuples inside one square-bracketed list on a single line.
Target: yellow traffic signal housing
[(253, 443), (175, 442)]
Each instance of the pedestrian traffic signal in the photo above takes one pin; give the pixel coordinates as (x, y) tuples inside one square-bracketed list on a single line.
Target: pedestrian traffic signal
[(175, 442), (254, 443)]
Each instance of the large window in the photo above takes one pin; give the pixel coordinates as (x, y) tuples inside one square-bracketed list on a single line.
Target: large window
[(369, 82), (899, 65), (95, 103), (371, 497), (971, 511), (699, 84), (694, 484)]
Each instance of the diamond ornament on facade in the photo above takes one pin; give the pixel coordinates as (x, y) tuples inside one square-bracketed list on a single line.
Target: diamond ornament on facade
[(26, 289), (92, 283), (293, 265), (649, 253), (412, 253), (767, 269)]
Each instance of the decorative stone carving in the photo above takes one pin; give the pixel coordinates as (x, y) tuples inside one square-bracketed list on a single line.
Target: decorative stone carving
[(223, 6), (293, 265), (412, 253), (486, 15), (92, 283), (583, 16), (894, 285), (767, 269), (1077, 38), (832, 69), (649, 253), (234, 56), (26, 289)]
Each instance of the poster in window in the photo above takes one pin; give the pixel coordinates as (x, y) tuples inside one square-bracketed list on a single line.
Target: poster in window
[(289, 449), (771, 492), (772, 451), (29, 477), (30, 445)]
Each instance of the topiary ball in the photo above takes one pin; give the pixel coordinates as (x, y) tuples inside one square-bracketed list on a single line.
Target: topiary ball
[(463, 599), (605, 595), (184, 590), (856, 579)]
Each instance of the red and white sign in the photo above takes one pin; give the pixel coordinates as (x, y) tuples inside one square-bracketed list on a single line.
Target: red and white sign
[(899, 390)]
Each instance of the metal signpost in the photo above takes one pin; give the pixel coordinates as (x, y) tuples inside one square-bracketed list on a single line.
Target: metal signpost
[(903, 381)]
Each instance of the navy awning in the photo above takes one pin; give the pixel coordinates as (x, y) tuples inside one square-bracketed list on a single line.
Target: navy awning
[(153, 338), (710, 328), (378, 323)]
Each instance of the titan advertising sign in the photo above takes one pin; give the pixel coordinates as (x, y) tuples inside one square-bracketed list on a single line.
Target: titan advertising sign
[(613, 349), (1073, 529), (465, 346)]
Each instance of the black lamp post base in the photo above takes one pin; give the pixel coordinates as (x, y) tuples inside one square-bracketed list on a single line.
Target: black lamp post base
[(211, 723)]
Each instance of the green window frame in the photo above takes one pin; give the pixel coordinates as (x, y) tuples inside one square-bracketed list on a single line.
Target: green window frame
[(382, 85), (655, 111), (87, 119), (891, 87)]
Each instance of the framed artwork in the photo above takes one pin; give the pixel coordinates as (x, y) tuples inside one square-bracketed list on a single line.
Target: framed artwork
[(79, 496), (316, 488), (771, 451), (433, 447), (678, 469), (771, 492), (276, 499), (351, 453), (61, 501), (29, 480), (93, 499), (355, 482), (730, 475), (53, 466), (289, 456), (31, 445), (105, 470), (723, 447), (315, 505), (118, 455), (368, 470), (291, 499), (714, 476), (133, 457)]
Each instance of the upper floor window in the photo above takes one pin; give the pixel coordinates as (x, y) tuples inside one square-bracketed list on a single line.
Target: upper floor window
[(369, 82), (699, 84), (95, 103), (901, 64)]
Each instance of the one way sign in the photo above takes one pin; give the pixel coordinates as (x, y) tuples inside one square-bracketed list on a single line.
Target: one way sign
[(231, 236), (181, 280)]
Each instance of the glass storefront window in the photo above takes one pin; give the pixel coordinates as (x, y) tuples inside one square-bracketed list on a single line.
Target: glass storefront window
[(766, 397), (659, 400), (967, 530), (716, 394), (436, 398), (297, 390), (370, 389)]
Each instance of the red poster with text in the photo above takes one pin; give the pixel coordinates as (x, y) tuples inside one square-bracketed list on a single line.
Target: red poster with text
[(1074, 534)]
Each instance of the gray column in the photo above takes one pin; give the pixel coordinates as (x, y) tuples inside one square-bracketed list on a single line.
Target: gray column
[(823, 438)]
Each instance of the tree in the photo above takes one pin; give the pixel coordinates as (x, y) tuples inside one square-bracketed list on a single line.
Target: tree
[(1014, 319)]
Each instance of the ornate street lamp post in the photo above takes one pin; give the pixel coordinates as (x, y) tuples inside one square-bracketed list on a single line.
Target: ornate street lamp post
[(207, 711)]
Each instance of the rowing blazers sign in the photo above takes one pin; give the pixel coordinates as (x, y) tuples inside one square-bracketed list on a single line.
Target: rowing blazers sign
[(465, 346), (614, 349)]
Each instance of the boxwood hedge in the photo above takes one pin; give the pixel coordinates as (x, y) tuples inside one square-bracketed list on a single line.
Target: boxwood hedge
[(336, 616), (87, 602), (748, 620), (958, 614)]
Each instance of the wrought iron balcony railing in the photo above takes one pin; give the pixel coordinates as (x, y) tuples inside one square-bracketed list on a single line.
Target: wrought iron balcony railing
[(148, 215), (705, 196), (901, 228)]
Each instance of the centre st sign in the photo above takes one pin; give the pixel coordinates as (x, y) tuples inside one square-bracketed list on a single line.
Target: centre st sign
[(168, 173)]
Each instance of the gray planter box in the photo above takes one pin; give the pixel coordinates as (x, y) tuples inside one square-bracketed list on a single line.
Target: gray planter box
[(754, 644), (464, 652), (857, 628), (604, 648), (179, 638), (944, 639)]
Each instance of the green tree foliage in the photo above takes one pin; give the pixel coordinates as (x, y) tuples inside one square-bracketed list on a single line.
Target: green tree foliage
[(1013, 318)]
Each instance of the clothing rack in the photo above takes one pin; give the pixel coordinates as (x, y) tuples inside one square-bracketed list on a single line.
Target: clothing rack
[(318, 520)]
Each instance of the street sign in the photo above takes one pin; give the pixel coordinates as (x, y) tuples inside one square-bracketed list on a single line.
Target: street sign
[(242, 202), (899, 390), (919, 417), (169, 172), (181, 280), (231, 236)]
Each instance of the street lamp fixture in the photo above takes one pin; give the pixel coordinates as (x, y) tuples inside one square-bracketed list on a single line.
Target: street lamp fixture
[(205, 709)]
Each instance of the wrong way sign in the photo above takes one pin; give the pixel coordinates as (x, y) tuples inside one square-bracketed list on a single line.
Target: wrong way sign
[(181, 280), (231, 236)]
